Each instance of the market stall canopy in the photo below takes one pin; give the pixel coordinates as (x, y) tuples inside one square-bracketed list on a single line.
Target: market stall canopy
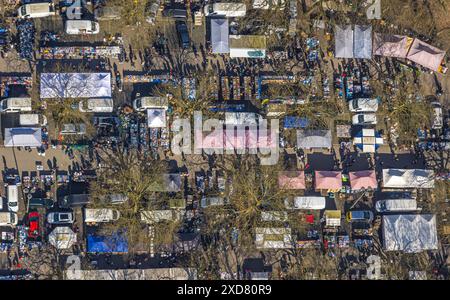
[(343, 41), (426, 55), (410, 233), (156, 118), (309, 202), (363, 180), (408, 178), (391, 45), (313, 138), (363, 41), (116, 243), (332, 218), (368, 140), (75, 85), (292, 180), (219, 36), (62, 237), (23, 137), (328, 180)]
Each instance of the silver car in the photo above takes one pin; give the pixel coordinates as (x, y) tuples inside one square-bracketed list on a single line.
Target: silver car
[(363, 105), (60, 218)]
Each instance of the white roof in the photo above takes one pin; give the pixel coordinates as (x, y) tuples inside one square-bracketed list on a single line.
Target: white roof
[(426, 55), (155, 216), (343, 41), (389, 205), (75, 85), (134, 274), (269, 216), (410, 233), (219, 35), (408, 178), (23, 137), (156, 118), (29, 119), (265, 238), (241, 118), (363, 41), (311, 202), (312, 138), (62, 237)]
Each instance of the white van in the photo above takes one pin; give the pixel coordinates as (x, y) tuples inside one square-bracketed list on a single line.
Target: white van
[(396, 205), (13, 198), (16, 104), (82, 27), (100, 215), (8, 218), (144, 103), (437, 119), (32, 120), (100, 105), (155, 216), (36, 10)]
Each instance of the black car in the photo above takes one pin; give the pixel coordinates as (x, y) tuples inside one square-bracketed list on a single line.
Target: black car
[(183, 34), (175, 13)]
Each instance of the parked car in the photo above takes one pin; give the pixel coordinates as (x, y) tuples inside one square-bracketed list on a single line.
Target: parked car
[(360, 215), (8, 218), (82, 27), (74, 200), (183, 34), (41, 202), (33, 224), (78, 128), (32, 120), (175, 13), (13, 198), (151, 10), (60, 218), (364, 119), (363, 105)]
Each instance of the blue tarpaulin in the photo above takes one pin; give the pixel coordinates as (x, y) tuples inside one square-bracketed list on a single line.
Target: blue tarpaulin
[(295, 122), (116, 243)]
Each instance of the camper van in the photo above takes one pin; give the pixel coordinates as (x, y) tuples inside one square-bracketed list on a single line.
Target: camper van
[(36, 10), (100, 215), (13, 198), (437, 119), (8, 218), (82, 27), (396, 205), (144, 103), (97, 105), (32, 120), (15, 105)]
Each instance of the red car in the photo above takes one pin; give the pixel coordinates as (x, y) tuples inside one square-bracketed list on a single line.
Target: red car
[(33, 224)]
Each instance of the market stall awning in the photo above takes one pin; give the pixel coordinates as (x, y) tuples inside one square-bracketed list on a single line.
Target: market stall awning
[(408, 178), (62, 237), (156, 118), (363, 42), (115, 243), (75, 85), (308, 139), (410, 233), (328, 180), (426, 55), (363, 180), (343, 41), (219, 36), (23, 137), (391, 45), (292, 180)]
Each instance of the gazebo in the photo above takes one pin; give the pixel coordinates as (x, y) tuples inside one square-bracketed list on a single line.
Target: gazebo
[(363, 180), (328, 180)]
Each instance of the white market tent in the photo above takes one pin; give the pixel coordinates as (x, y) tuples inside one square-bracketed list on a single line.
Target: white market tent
[(344, 41), (220, 36), (156, 118), (308, 139), (362, 47), (408, 178), (426, 55), (309, 202), (62, 237), (23, 137), (75, 85), (410, 233)]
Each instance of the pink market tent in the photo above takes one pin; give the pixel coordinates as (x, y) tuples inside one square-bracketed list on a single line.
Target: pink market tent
[(363, 180), (426, 55), (292, 180), (328, 180), (390, 45)]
